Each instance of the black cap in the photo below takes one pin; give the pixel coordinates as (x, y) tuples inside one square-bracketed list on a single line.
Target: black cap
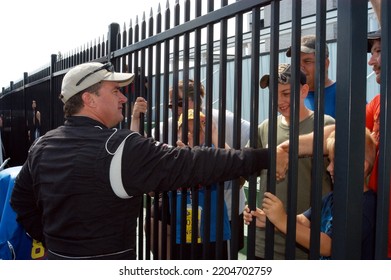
[(284, 76)]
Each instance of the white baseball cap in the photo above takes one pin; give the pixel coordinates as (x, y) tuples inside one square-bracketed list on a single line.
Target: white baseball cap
[(87, 74)]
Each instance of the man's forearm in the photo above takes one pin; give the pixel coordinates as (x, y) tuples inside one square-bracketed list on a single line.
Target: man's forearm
[(306, 141), (135, 123)]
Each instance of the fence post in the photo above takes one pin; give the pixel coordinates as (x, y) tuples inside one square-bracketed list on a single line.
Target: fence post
[(112, 40), (350, 128), (52, 89)]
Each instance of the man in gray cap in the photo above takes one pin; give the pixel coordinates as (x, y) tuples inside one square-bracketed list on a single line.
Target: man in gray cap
[(81, 187), (307, 64), (374, 47), (306, 125)]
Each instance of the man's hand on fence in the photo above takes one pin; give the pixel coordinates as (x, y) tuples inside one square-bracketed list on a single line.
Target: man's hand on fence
[(260, 217)]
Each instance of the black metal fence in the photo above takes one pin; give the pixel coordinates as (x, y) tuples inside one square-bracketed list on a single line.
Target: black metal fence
[(164, 49)]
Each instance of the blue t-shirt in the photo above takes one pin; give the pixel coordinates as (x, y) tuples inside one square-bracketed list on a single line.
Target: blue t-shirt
[(326, 217), (329, 100), (201, 216), (368, 222)]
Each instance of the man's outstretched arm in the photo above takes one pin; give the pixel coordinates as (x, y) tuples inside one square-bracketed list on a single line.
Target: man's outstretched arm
[(305, 149)]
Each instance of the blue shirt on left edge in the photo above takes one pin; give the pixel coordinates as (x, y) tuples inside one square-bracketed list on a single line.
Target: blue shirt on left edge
[(329, 100)]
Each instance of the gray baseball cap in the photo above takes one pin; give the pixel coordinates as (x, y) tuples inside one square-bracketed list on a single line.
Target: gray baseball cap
[(307, 45), (372, 36)]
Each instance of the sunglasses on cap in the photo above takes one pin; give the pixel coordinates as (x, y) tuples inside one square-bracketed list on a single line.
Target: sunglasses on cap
[(108, 66), (180, 103)]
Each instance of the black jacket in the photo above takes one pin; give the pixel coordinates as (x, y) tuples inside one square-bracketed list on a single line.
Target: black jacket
[(65, 197)]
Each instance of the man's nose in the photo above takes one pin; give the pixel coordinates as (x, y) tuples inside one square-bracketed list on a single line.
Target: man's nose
[(123, 98), (372, 60)]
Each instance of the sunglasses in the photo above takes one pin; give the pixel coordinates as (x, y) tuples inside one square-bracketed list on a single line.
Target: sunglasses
[(108, 66), (180, 103)]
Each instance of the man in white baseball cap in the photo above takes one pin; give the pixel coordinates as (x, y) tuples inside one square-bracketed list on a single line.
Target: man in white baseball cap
[(87, 83), (88, 74), (81, 188)]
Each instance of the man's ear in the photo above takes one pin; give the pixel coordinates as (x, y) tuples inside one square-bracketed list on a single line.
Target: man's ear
[(327, 63), (304, 90), (88, 99)]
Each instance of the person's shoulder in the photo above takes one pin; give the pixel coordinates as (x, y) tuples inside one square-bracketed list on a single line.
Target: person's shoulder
[(60, 129), (119, 135), (375, 99), (328, 120), (263, 123), (228, 114), (332, 86), (327, 197), (373, 104), (215, 112), (245, 123), (311, 119)]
